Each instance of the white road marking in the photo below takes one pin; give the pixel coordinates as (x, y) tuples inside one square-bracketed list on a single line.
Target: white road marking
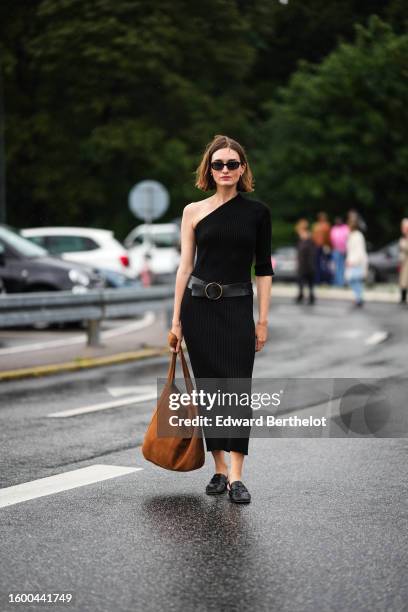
[(61, 482), (376, 338), (147, 320), (349, 333), (105, 405), (119, 391)]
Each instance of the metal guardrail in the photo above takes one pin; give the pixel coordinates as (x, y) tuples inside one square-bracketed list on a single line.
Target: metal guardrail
[(93, 306)]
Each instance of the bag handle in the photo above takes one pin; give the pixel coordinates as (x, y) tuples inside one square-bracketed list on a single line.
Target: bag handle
[(172, 367)]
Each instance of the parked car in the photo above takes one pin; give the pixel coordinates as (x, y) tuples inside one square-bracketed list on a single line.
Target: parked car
[(284, 262), (383, 264), (94, 247), (117, 280), (25, 266), (162, 242)]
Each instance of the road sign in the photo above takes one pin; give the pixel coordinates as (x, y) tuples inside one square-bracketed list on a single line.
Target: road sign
[(148, 200)]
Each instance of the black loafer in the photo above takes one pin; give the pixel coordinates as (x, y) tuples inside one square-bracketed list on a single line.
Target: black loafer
[(238, 492), (217, 484)]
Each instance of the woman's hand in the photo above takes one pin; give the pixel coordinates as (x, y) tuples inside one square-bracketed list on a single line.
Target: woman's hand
[(175, 337), (261, 333)]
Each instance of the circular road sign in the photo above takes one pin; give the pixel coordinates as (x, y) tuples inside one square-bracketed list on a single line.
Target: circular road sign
[(148, 200)]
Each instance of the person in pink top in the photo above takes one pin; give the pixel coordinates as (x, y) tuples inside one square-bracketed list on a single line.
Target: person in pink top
[(338, 238)]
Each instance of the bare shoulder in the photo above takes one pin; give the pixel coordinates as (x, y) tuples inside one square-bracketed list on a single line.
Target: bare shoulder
[(195, 206), (209, 199), (195, 210), (188, 211)]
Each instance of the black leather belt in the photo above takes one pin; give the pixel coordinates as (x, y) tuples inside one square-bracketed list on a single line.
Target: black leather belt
[(214, 290)]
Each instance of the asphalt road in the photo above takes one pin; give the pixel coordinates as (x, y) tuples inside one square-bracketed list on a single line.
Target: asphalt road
[(327, 527)]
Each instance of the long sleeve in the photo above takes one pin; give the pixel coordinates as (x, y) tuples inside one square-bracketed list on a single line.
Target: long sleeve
[(356, 249), (403, 249), (263, 264)]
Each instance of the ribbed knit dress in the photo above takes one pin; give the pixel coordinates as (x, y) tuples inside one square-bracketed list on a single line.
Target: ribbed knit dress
[(220, 334)]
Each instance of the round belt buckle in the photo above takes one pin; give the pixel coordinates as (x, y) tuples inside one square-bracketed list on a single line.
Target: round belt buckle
[(209, 297)]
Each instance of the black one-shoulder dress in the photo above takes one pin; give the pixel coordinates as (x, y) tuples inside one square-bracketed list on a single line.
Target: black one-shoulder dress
[(220, 334)]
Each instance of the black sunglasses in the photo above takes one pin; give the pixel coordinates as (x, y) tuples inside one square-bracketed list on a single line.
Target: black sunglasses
[(232, 164)]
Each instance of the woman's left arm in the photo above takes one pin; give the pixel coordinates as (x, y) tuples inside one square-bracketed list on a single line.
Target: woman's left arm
[(263, 290), (263, 273)]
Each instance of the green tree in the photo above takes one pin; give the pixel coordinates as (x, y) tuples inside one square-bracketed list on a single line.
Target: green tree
[(336, 136), (397, 14), (285, 34), (123, 91), (102, 94)]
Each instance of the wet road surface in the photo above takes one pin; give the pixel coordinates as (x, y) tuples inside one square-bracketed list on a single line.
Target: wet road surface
[(326, 530)]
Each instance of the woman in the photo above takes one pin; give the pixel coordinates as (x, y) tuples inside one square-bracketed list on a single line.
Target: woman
[(403, 258), (356, 260), (338, 238), (306, 258), (213, 304), (321, 238)]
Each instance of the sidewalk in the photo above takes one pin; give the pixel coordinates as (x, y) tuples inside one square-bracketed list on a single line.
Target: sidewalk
[(136, 340), (378, 293)]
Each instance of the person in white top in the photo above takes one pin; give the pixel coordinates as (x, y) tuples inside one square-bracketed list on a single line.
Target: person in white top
[(356, 260)]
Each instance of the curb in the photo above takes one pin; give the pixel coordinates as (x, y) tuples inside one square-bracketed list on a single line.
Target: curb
[(82, 364), (334, 294), (278, 290)]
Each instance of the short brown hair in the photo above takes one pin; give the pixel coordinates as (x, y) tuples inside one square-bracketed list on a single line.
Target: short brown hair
[(302, 224), (205, 181), (353, 221)]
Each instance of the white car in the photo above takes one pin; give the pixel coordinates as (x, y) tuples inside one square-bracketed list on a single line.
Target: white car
[(95, 247), (161, 240)]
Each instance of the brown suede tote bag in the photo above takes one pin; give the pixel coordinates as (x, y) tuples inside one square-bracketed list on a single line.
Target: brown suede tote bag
[(181, 454)]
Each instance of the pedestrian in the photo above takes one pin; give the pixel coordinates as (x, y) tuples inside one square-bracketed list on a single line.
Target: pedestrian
[(403, 258), (338, 238), (146, 274), (356, 260), (362, 225), (321, 238), (213, 303), (306, 258)]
